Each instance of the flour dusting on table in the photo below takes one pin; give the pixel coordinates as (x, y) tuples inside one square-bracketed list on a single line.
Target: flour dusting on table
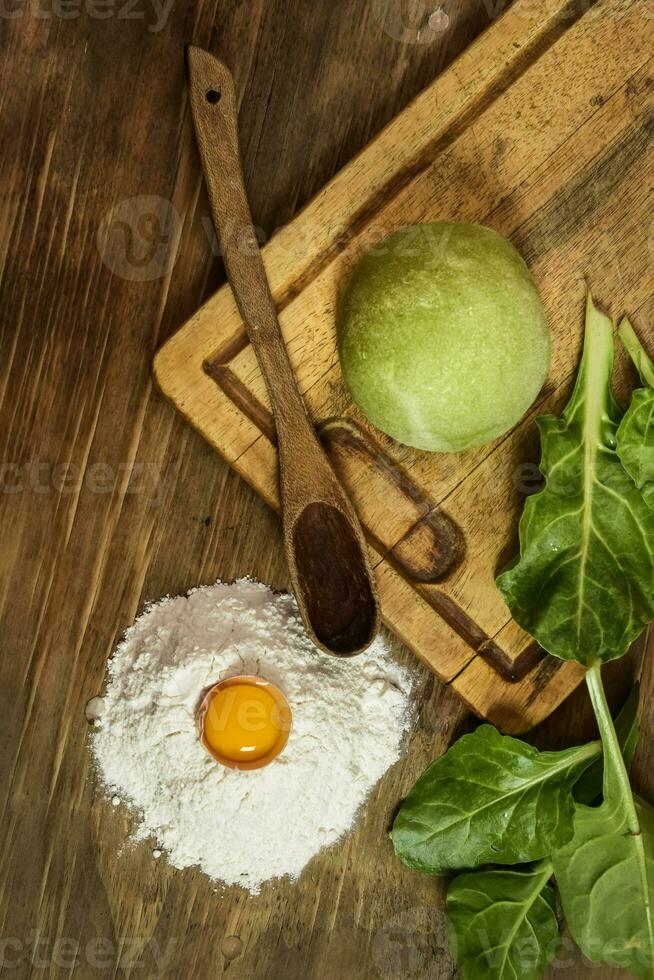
[(244, 827)]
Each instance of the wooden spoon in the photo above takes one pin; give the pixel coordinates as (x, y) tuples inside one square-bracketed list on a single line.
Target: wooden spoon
[(327, 555)]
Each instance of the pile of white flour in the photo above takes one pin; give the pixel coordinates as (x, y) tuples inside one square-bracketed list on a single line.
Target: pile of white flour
[(244, 827)]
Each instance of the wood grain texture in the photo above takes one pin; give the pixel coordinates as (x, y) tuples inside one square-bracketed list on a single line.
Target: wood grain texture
[(109, 499), (484, 146)]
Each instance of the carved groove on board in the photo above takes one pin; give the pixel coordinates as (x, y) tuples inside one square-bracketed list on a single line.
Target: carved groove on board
[(513, 669), (542, 676), (438, 544), (425, 563), (510, 669), (228, 350), (243, 398)]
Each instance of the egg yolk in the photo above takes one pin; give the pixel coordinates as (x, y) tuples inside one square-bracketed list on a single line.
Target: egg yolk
[(242, 722)]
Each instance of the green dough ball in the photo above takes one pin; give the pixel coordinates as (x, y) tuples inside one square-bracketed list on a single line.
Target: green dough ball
[(442, 336)]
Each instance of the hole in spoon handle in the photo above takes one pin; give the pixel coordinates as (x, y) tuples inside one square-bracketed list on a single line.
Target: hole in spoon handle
[(333, 581)]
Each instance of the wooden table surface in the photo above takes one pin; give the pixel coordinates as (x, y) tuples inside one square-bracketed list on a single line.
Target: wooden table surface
[(108, 499)]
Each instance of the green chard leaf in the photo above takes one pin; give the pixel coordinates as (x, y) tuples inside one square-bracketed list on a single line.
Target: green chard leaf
[(636, 432), (582, 585), (503, 923), (605, 873), (491, 799)]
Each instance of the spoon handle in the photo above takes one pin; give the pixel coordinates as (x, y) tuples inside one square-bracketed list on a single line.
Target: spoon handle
[(325, 547)]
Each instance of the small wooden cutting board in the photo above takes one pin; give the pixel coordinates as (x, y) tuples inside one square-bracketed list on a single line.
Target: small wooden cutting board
[(542, 130)]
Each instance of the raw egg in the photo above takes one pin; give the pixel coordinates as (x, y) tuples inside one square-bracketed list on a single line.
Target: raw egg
[(244, 722)]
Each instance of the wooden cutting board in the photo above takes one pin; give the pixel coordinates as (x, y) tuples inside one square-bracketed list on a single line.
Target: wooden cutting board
[(542, 130)]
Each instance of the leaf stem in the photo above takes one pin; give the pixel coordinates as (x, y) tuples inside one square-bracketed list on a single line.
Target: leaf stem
[(613, 759), (637, 353)]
